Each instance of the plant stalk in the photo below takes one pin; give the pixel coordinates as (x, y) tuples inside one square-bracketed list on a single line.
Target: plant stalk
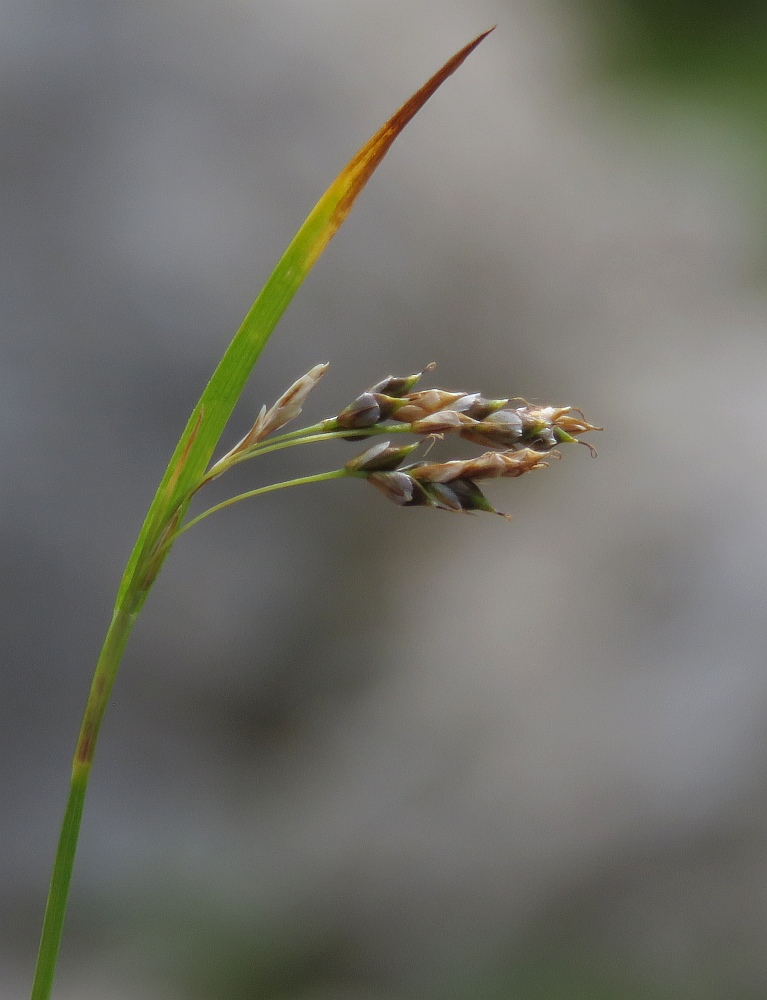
[(325, 431), (55, 909), (320, 477), (103, 679)]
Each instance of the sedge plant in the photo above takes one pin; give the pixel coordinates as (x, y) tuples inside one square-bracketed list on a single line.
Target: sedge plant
[(518, 436)]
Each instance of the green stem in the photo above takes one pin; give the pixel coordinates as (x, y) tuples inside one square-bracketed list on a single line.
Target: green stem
[(310, 436), (321, 477), (101, 687), (103, 679), (325, 431)]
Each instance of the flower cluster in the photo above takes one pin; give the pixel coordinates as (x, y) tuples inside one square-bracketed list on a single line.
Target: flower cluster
[(520, 434), (446, 485), (521, 437), (492, 423)]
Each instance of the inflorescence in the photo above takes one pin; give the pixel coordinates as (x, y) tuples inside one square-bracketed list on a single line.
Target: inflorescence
[(521, 437)]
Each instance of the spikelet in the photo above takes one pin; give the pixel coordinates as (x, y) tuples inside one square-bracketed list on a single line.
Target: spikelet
[(492, 423), (287, 408), (445, 485)]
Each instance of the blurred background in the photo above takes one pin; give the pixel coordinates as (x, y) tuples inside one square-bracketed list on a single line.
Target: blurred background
[(357, 752)]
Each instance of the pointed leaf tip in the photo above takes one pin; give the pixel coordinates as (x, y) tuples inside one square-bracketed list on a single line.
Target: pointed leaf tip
[(343, 192), (413, 105)]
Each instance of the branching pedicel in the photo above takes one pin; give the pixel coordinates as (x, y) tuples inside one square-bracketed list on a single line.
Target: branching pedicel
[(521, 435)]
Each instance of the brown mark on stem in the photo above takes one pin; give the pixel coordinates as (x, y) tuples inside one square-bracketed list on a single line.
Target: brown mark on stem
[(182, 459), (158, 544), (86, 742)]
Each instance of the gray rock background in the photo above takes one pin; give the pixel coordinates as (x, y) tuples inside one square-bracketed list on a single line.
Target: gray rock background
[(356, 751)]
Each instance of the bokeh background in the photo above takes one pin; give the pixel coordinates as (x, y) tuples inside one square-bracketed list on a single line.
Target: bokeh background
[(357, 752)]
